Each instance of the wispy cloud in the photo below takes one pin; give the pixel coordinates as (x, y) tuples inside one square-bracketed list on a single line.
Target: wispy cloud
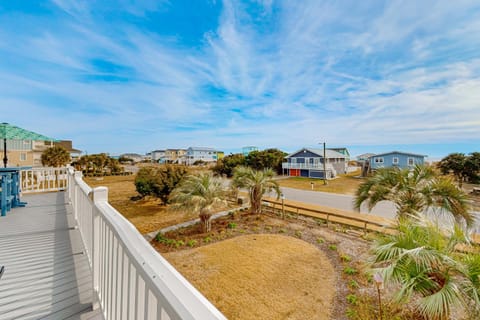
[(266, 73)]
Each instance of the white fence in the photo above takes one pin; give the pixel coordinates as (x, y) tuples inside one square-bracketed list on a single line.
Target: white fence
[(130, 279), (43, 179)]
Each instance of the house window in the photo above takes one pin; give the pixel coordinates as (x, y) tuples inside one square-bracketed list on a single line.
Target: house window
[(23, 156), (395, 160), (411, 161), (379, 160)]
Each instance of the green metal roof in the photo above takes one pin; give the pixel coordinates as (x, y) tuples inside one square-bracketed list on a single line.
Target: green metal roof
[(9, 132)]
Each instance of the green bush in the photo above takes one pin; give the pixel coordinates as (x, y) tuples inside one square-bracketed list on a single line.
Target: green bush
[(159, 181), (231, 225)]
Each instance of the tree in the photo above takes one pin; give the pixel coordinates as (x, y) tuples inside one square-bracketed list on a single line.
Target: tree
[(269, 158), (228, 164), (414, 192), (258, 182), (98, 165), (472, 167), (56, 156), (159, 182), (202, 194), (455, 163), (421, 259)]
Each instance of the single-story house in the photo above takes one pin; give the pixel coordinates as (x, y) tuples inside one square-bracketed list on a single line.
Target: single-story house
[(308, 162), (398, 159)]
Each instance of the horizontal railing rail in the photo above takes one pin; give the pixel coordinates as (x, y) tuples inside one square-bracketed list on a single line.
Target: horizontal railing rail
[(43, 179), (331, 216), (131, 280)]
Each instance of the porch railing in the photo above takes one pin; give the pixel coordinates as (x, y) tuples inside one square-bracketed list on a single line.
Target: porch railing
[(130, 279), (43, 179)]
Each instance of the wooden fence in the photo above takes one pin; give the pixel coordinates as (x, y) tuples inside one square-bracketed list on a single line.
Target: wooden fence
[(330, 215)]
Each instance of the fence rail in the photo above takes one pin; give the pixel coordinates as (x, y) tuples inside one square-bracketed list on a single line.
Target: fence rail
[(331, 216), (130, 279)]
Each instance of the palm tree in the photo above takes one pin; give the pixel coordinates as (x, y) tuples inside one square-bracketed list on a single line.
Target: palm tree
[(414, 192), (202, 194), (257, 182), (421, 259), (55, 157)]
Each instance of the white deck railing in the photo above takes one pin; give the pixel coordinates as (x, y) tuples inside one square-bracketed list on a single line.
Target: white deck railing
[(130, 279), (43, 179)]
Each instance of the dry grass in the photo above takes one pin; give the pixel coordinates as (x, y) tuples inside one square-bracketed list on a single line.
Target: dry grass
[(343, 184), (147, 214), (261, 277)]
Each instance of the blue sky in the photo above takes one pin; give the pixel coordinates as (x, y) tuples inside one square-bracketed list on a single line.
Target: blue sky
[(134, 76)]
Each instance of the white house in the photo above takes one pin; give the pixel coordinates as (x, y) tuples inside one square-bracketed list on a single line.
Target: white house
[(158, 156), (195, 154)]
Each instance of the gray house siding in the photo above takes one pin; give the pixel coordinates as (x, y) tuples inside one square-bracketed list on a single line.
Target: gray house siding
[(401, 160)]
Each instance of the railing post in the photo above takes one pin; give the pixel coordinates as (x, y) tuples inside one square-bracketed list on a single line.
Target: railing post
[(76, 208), (100, 195)]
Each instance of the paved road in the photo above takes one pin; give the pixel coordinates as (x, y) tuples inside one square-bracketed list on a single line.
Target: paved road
[(384, 209)]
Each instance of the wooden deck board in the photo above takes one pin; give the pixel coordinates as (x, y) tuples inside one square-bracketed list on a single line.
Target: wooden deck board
[(47, 275)]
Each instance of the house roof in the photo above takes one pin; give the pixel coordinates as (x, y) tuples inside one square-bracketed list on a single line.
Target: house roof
[(202, 149), (401, 152), (366, 155), (340, 150), (328, 153)]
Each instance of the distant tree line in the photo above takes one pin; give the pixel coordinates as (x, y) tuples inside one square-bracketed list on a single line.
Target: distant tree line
[(465, 168), (98, 165), (258, 160)]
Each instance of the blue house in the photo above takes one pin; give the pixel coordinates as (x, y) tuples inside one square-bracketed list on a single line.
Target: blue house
[(308, 162), (398, 159)]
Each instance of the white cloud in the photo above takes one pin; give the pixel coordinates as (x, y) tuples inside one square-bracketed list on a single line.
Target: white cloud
[(349, 73)]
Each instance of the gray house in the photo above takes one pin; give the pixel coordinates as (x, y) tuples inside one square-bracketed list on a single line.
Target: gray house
[(308, 163), (396, 159)]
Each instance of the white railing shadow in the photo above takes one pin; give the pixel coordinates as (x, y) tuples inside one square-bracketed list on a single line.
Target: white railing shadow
[(131, 280)]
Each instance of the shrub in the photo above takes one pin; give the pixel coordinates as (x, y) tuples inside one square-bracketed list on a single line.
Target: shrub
[(159, 182), (298, 234), (207, 240), (352, 299), (345, 258), (191, 243), (320, 240), (353, 284), (332, 247), (350, 271), (231, 225)]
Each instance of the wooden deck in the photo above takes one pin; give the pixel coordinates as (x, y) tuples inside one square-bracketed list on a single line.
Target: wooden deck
[(47, 275)]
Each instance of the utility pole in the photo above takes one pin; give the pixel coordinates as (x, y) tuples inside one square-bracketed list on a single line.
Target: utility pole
[(324, 164)]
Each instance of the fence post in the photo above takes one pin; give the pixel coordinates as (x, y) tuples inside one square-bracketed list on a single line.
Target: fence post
[(76, 205), (100, 195)]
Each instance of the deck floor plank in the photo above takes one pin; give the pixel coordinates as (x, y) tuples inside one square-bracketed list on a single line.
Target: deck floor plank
[(47, 275)]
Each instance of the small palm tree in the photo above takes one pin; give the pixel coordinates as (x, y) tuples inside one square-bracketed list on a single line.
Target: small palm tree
[(257, 182), (414, 192), (202, 194), (422, 260)]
